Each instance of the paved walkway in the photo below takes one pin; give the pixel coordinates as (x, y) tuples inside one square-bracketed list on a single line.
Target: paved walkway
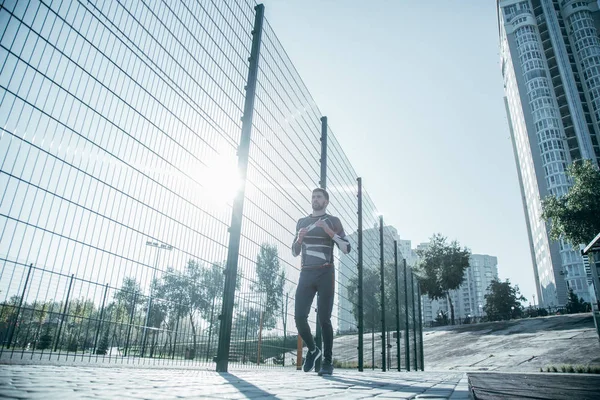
[(69, 382)]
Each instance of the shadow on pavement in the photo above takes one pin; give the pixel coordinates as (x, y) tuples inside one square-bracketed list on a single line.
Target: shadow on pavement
[(246, 388)]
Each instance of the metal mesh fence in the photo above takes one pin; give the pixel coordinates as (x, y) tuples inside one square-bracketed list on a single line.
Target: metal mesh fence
[(120, 130)]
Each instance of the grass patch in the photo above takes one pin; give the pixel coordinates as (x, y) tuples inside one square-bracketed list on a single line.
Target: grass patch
[(573, 369)]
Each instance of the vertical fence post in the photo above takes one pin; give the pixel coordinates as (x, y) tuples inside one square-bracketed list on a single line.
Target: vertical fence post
[(361, 325), (63, 314), (323, 177), (406, 337), (260, 327), (245, 339), (396, 285), (299, 354), (175, 336), (381, 266), (16, 319), (99, 325), (414, 318), (389, 351), (420, 329), (322, 185), (235, 230), (287, 300)]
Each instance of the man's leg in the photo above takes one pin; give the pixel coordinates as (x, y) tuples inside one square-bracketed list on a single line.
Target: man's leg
[(305, 293), (326, 289)]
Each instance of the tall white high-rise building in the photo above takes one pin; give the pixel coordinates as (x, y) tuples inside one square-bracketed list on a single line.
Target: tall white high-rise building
[(410, 255), (469, 298), (550, 53)]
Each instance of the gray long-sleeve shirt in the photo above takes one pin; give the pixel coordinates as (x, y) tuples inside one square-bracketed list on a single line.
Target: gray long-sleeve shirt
[(317, 245)]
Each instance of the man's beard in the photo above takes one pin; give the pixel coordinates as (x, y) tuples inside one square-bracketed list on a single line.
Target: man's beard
[(317, 207)]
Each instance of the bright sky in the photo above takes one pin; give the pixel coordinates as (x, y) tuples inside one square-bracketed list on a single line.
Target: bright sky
[(413, 91)]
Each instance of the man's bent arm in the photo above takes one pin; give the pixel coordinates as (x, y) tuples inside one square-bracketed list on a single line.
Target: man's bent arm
[(296, 247), (340, 238)]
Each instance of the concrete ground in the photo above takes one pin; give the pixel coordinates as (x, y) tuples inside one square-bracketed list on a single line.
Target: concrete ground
[(517, 346), (117, 382), (69, 382), (455, 358), (523, 345)]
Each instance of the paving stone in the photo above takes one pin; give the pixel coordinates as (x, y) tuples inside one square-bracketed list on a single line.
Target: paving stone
[(115, 381)]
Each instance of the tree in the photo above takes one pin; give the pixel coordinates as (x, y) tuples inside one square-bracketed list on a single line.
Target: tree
[(575, 304), (442, 268), (129, 297), (576, 215), (173, 290), (442, 318), (39, 315), (503, 301), (245, 324), (80, 314), (270, 282), (186, 294), (372, 297), (104, 343), (190, 292), (213, 283), (156, 315), (80, 310), (45, 340), (8, 317)]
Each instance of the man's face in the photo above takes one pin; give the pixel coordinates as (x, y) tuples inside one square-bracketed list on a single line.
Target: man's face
[(319, 202)]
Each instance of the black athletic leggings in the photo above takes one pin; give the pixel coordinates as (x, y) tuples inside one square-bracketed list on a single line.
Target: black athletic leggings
[(319, 280)]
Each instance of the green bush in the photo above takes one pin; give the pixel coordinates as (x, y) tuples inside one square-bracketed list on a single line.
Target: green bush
[(45, 341), (103, 345), (73, 345), (345, 364)]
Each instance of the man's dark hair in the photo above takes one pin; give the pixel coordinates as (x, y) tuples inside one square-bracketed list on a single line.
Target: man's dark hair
[(325, 194)]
